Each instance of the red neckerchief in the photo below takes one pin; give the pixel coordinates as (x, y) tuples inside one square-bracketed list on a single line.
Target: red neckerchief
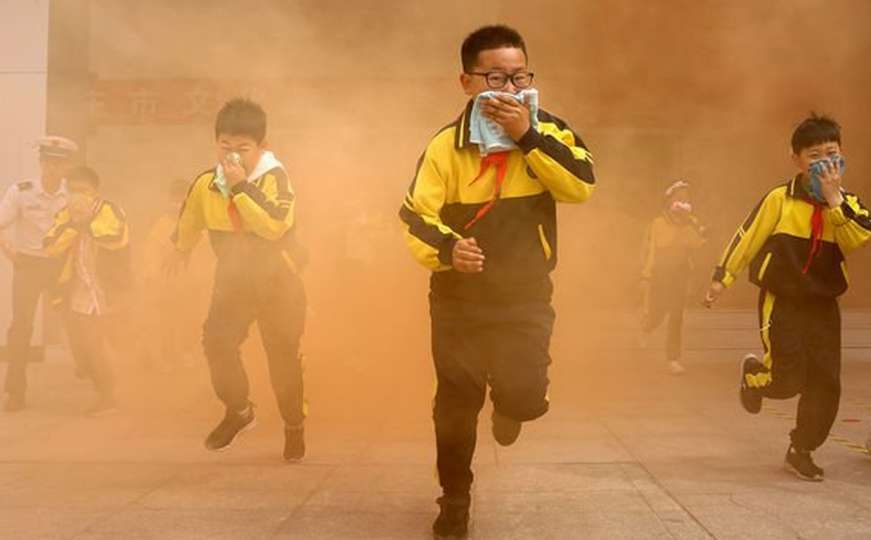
[(500, 161), (233, 213), (816, 228), (816, 235)]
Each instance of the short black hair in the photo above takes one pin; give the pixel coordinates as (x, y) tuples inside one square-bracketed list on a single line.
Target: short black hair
[(486, 38), (84, 174), (813, 130), (241, 116)]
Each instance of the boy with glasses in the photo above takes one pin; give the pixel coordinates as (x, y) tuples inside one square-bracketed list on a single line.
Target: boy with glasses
[(484, 223)]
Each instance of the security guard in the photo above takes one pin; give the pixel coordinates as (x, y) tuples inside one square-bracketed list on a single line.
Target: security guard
[(30, 206)]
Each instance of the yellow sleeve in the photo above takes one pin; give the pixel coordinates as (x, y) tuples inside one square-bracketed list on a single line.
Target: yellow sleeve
[(266, 206), (852, 223), (559, 159), (61, 235), (191, 221), (430, 241), (750, 237), (109, 227), (649, 253)]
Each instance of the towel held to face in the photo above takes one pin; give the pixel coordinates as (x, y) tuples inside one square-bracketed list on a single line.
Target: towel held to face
[(487, 134)]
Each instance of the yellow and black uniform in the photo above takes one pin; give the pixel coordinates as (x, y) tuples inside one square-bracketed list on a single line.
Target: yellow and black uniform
[(795, 251), (95, 276), (668, 263), (252, 235), (494, 326), (109, 235)]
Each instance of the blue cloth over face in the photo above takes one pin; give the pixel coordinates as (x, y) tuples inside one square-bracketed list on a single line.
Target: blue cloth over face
[(487, 134), (816, 170)]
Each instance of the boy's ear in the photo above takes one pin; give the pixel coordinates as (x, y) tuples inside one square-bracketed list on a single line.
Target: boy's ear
[(466, 83), (796, 158)]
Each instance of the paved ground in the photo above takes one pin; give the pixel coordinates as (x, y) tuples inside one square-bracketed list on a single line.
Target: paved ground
[(626, 452)]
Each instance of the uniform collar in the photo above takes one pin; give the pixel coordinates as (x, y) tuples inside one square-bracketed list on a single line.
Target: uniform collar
[(461, 140), (796, 189), (61, 190)]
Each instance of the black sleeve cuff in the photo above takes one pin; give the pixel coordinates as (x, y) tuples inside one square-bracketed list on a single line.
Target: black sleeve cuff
[(719, 274), (847, 209), (241, 187), (446, 252), (530, 140)]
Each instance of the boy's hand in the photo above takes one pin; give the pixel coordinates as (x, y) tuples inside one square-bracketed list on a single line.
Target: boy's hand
[(80, 210), (233, 172), (467, 257), (509, 113), (714, 292), (830, 183)]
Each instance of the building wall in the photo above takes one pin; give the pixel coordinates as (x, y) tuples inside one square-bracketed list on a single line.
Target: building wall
[(23, 70)]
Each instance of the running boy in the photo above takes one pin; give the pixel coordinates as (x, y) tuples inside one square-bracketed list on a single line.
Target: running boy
[(484, 223), (246, 203), (794, 242), (92, 237)]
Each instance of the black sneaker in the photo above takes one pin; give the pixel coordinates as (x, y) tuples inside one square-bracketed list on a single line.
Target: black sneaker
[(505, 430), (453, 520), (751, 398), (800, 463), (233, 425), (15, 403), (294, 443)]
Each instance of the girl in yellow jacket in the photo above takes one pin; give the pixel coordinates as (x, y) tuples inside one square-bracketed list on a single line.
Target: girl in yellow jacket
[(671, 239)]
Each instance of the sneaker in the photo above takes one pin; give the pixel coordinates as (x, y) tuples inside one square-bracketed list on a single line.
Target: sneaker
[(15, 403), (452, 522), (233, 425), (800, 463), (294, 443), (102, 407), (676, 368), (505, 430), (751, 398)]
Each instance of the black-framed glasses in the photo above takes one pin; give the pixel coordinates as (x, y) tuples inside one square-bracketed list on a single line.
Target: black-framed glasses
[(498, 79)]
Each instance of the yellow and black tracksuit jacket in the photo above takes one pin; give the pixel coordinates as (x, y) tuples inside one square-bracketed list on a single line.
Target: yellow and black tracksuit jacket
[(250, 228), (518, 234), (776, 242), (669, 247), (108, 228)]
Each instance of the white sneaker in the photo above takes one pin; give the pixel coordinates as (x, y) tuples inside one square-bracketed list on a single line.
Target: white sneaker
[(675, 368)]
